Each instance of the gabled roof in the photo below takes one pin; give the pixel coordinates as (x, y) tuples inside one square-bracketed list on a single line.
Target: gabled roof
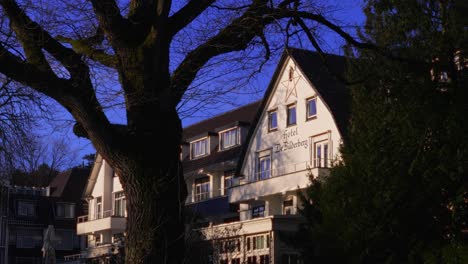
[(70, 184), (334, 93), (93, 176)]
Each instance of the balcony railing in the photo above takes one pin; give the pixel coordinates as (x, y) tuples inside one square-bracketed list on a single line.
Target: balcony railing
[(200, 197), (287, 169), (100, 215)]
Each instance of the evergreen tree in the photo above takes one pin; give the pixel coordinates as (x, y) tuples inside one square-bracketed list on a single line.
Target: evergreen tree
[(401, 192)]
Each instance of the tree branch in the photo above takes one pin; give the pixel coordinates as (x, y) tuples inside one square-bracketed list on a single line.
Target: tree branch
[(234, 37), (85, 47), (34, 37), (123, 32), (187, 14)]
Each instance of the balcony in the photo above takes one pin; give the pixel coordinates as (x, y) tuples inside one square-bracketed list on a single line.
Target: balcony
[(253, 226), (278, 180), (105, 221)]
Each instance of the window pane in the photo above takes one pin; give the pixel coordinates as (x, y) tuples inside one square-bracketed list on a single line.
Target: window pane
[(312, 107), (273, 120), (291, 115)]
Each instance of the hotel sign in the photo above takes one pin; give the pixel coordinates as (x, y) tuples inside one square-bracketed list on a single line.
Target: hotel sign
[(291, 140)]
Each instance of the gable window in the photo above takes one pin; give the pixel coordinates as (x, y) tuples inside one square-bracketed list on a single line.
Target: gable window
[(119, 204), (202, 189), (98, 208), (272, 120), (321, 155), (258, 211), (229, 138), (311, 108), (228, 179), (264, 167), (199, 148), (26, 208), (291, 115), (65, 210)]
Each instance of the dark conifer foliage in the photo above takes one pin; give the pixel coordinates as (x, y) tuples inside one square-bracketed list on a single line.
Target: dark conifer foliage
[(401, 192)]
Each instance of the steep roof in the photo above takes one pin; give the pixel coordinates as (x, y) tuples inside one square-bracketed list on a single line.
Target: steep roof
[(323, 77), (333, 92), (70, 184), (242, 114)]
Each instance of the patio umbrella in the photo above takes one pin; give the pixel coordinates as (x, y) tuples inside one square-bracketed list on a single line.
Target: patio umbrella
[(48, 250)]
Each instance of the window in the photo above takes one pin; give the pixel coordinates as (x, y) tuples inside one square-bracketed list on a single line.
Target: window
[(288, 207), (199, 148), (26, 208), (321, 155), (119, 204), (97, 239), (311, 108), (228, 180), (265, 259), (29, 238), (229, 246), (289, 259), (229, 138), (258, 242), (258, 211), (291, 115), (98, 208), (252, 260), (202, 189), (264, 167), (65, 210), (272, 120)]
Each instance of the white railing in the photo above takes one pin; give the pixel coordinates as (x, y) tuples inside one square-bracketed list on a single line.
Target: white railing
[(100, 215), (196, 198), (74, 257), (288, 169)]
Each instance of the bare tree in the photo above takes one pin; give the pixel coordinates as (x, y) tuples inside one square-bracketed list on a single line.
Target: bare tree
[(159, 53)]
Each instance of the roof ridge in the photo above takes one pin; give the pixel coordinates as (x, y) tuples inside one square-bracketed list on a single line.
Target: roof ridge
[(311, 51), (223, 113)]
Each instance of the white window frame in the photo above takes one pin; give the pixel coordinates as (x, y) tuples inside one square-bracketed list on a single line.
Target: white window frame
[(290, 106), (222, 142), (322, 149), (98, 208), (289, 208), (228, 175), (309, 117), (270, 127), (198, 193), (120, 199), (193, 145), (321, 140), (260, 172)]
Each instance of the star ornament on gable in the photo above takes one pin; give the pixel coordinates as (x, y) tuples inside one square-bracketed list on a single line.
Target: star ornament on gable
[(291, 83)]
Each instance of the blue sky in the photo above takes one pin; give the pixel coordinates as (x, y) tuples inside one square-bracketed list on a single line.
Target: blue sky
[(347, 13)]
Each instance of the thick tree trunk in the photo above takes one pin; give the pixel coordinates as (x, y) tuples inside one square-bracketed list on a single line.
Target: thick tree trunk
[(153, 181)]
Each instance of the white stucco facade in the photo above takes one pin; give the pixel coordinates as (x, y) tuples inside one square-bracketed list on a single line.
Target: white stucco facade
[(105, 223)]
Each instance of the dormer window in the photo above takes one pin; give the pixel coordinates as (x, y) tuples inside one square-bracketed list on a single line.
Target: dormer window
[(229, 138), (199, 148)]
